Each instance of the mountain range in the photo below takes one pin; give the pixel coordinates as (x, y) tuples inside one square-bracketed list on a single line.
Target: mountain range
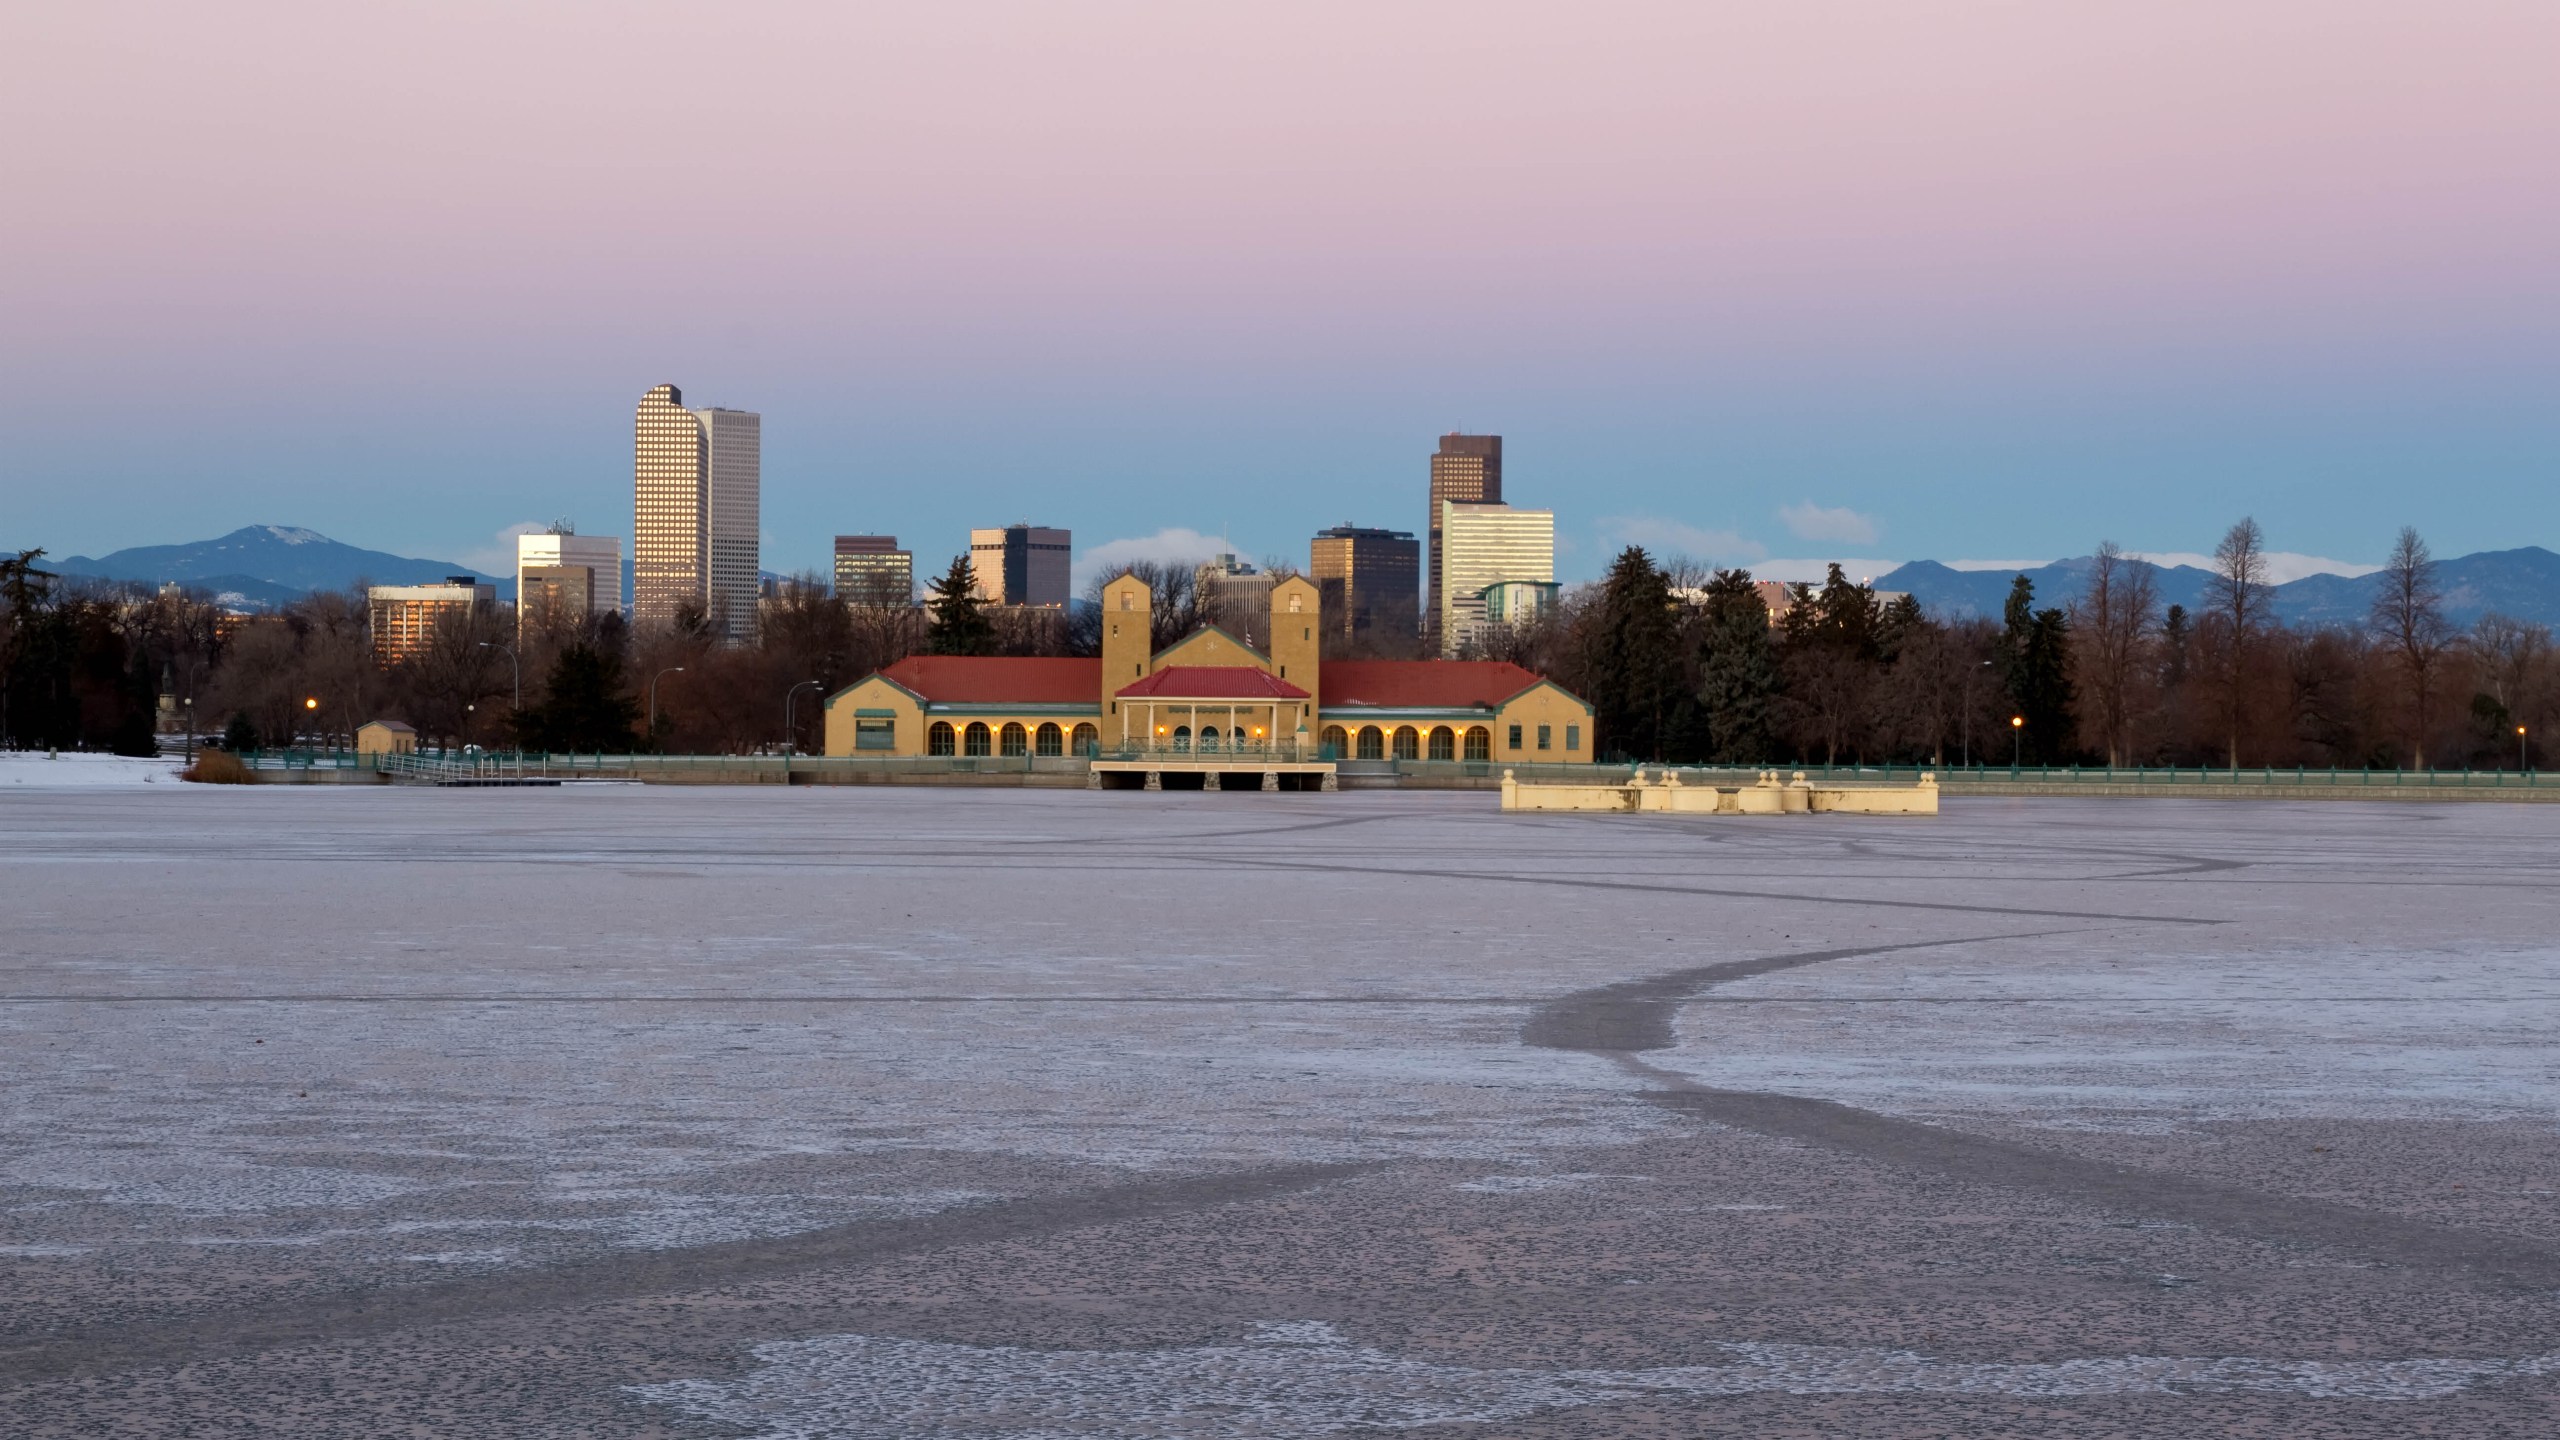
[(268, 565), (2521, 583)]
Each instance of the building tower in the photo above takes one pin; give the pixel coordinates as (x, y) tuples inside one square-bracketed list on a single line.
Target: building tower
[(1488, 546), (697, 482), (871, 570), (1128, 648), (1370, 580), (1467, 469), (1021, 565)]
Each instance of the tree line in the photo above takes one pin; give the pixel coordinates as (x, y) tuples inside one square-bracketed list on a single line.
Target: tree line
[(1686, 665), (1681, 663)]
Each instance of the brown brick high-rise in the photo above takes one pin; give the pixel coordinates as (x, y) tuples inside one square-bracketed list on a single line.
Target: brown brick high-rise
[(1468, 469)]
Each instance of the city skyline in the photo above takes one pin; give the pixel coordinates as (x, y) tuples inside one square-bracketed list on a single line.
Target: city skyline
[(1863, 283)]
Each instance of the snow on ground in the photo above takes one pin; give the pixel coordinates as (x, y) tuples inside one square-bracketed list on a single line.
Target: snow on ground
[(38, 770)]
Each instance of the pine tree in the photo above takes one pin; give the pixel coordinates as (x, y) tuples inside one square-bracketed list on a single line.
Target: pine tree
[(958, 623), (1738, 671), (1631, 665), (241, 735), (2035, 669), (585, 707)]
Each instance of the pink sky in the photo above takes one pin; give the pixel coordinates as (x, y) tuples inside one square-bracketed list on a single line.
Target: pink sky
[(1018, 206)]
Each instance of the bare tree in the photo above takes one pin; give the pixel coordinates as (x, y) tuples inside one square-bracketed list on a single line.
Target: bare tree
[(2408, 618), (2112, 622), (2241, 596)]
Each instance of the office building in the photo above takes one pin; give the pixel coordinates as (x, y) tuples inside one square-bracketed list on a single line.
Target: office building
[(563, 577), (1233, 593), (697, 478), (1020, 565), (405, 616), (1368, 579), (1468, 470), (1518, 602), (1486, 545), (872, 570)]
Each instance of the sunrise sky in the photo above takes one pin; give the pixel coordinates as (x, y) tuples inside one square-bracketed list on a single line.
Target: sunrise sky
[(1881, 280)]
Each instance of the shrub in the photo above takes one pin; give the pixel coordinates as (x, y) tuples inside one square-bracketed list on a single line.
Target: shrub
[(216, 767)]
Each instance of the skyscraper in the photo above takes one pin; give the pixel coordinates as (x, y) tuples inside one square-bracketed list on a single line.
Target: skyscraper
[(1020, 565), (567, 575), (1487, 546), (1467, 469), (1367, 579), (872, 570), (697, 476)]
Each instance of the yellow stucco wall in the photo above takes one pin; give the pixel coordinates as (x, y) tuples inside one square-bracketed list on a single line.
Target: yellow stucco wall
[(1543, 705), (1208, 647), (874, 693)]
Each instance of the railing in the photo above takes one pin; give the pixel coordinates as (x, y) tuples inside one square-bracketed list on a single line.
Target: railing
[(2163, 776)]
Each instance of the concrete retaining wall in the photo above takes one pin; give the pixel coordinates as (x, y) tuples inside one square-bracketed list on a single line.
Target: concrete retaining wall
[(1669, 796)]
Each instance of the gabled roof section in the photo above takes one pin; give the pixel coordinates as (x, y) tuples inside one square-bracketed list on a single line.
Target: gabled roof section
[(1201, 636), (998, 679), (1212, 682), (1422, 684)]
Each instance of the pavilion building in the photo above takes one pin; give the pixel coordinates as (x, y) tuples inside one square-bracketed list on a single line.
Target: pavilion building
[(1210, 702)]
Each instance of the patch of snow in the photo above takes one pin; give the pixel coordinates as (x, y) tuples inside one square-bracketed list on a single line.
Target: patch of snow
[(41, 770)]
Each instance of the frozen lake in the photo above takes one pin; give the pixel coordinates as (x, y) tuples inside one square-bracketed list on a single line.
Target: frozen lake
[(1020, 1115)]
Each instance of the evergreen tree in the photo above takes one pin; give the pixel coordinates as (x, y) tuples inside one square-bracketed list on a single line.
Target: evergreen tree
[(585, 707), (1738, 671), (1631, 666), (958, 623), (2035, 669), (241, 735)]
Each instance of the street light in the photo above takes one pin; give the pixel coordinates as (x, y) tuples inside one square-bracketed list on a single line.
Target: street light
[(511, 665), (653, 696), (2017, 741), (1969, 677), (2520, 765), (791, 736)]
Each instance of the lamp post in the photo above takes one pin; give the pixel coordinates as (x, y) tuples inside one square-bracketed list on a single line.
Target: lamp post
[(1969, 677), (512, 666), (190, 703), (2520, 765), (2017, 743), (311, 707), (790, 735), (653, 697)]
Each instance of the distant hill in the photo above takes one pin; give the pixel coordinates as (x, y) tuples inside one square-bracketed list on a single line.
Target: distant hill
[(2523, 583), (269, 565)]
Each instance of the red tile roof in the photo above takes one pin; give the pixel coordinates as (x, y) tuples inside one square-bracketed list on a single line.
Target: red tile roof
[(1212, 682), (1000, 680), (1421, 684)]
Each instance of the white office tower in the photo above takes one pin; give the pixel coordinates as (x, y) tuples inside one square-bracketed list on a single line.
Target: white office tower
[(1484, 546)]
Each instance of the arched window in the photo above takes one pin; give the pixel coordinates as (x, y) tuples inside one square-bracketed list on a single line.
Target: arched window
[(1181, 737), (1373, 743), (1050, 741), (1087, 739), (1335, 741), (1208, 737), (1479, 743), (1013, 739), (1444, 743), (939, 740), (975, 740), (1408, 743)]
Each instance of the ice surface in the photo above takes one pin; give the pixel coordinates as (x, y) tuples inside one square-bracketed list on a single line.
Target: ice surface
[(1306, 1378)]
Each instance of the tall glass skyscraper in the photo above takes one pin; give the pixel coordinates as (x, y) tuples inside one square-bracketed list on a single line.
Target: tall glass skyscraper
[(698, 478)]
